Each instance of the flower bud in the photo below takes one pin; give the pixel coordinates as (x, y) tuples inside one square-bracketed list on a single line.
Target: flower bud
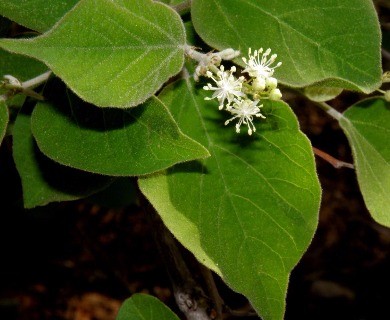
[(271, 83), (275, 94), (258, 84)]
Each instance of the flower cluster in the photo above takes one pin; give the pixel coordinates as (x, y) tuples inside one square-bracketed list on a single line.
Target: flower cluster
[(240, 96)]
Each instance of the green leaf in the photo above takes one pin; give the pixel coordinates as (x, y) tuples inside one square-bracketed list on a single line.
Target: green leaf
[(110, 53), (367, 126), (44, 181), (317, 41), (321, 94), (144, 307), (21, 67), (253, 203), (39, 15), (171, 2), (4, 118), (110, 141)]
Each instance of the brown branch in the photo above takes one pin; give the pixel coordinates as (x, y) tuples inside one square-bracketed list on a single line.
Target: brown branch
[(385, 54), (333, 161), (189, 294)]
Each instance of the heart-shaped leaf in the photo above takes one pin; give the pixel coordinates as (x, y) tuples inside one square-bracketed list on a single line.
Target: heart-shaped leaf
[(39, 15), (367, 126), (110, 141), (144, 307), (43, 180), (321, 94), (334, 42), (111, 53), (4, 117), (21, 67), (254, 202)]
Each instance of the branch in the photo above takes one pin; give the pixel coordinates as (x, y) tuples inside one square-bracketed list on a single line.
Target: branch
[(385, 54), (14, 86), (333, 161), (34, 82), (189, 295), (329, 110)]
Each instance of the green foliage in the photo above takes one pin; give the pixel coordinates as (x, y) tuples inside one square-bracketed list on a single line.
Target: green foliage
[(21, 67), (119, 58), (144, 307), (254, 201), (321, 94), (246, 206), (39, 15), (43, 180), (367, 126), (110, 141), (4, 117), (318, 41), (171, 2)]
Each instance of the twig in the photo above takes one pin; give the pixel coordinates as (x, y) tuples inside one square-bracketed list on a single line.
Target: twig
[(213, 290), (34, 82), (189, 295), (333, 161), (329, 110), (385, 54), (14, 86)]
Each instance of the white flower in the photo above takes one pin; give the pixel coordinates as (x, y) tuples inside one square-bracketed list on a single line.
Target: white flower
[(227, 87), (260, 68), (245, 110)]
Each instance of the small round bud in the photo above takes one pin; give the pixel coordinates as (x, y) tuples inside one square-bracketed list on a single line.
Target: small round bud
[(271, 83), (229, 54), (12, 81), (258, 84), (275, 94)]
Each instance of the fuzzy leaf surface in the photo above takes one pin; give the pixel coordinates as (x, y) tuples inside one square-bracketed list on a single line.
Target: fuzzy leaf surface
[(254, 202), (171, 2), (144, 307), (367, 126), (321, 94), (111, 53), (4, 118), (21, 67), (333, 42), (111, 141), (39, 15), (44, 181)]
